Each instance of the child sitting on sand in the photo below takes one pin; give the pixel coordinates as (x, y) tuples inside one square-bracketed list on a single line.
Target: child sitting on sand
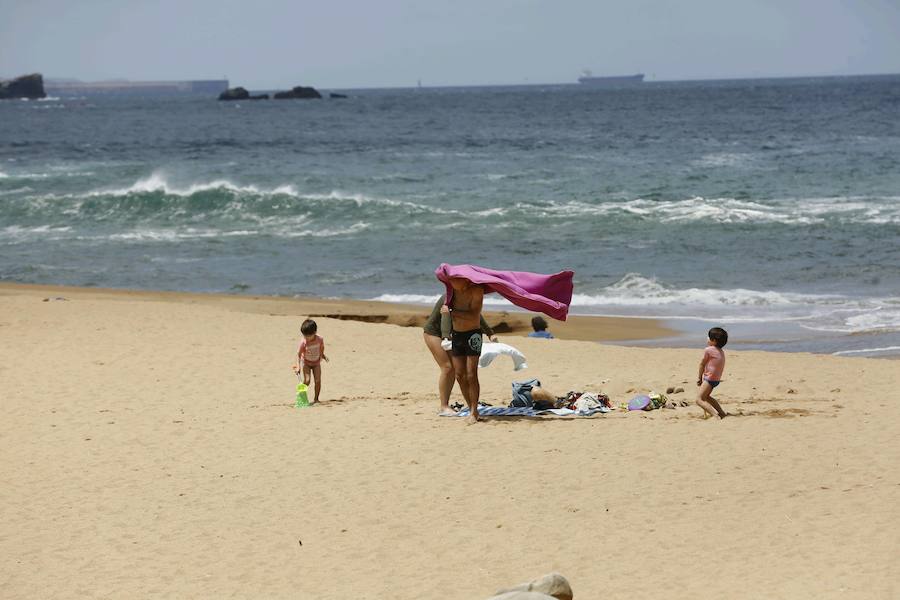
[(712, 365), (539, 324), (310, 354)]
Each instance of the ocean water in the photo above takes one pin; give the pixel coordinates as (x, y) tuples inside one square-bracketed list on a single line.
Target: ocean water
[(771, 207)]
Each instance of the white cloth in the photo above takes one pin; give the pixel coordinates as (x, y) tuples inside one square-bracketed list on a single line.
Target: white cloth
[(587, 402), (491, 350)]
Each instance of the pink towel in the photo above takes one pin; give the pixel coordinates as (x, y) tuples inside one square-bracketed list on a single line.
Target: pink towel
[(549, 294)]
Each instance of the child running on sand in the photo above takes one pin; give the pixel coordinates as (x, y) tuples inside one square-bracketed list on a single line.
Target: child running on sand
[(712, 365), (310, 354)]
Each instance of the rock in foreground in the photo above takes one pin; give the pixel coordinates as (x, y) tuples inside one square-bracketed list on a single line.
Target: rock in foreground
[(553, 586)]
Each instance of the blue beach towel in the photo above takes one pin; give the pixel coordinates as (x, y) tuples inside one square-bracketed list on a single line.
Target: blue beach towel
[(507, 411)]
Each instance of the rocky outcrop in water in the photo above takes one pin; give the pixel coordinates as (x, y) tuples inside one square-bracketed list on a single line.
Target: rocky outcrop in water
[(26, 86), (298, 92), (239, 93)]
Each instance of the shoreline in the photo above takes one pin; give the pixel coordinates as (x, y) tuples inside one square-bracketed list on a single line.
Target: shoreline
[(620, 330), (587, 328)]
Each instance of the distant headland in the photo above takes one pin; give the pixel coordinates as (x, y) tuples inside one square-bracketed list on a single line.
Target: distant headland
[(34, 86), (124, 87)]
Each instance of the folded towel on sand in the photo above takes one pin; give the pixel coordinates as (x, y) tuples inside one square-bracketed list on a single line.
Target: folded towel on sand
[(506, 411)]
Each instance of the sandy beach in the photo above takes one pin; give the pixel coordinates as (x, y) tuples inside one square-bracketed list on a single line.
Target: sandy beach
[(150, 448)]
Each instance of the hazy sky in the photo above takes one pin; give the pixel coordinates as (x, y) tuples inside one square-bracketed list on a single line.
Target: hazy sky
[(266, 44)]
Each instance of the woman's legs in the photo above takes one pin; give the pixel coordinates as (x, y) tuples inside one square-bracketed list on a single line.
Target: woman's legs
[(445, 379)]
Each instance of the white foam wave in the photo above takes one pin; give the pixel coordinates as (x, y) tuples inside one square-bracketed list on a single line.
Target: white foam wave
[(17, 234), (789, 211), (638, 296), (869, 351), (635, 290), (333, 232), (158, 182), (3, 175), (171, 235), (726, 159), (20, 190), (881, 316), (641, 296), (406, 298), (147, 234)]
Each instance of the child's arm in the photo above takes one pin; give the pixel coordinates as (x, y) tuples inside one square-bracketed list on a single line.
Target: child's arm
[(446, 323), (703, 362), (487, 330), (325, 358), (300, 351)]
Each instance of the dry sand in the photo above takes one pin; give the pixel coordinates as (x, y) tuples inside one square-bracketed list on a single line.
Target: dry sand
[(150, 448)]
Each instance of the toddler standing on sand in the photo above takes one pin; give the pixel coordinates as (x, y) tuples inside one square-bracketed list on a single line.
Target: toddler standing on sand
[(712, 365), (310, 354)]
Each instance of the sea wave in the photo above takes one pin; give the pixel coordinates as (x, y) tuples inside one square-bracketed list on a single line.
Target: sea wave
[(727, 159), (159, 184), (14, 233), (407, 298), (636, 290), (790, 211), (885, 350), (160, 193), (637, 296)]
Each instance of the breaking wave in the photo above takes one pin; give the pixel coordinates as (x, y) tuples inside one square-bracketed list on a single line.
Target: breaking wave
[(637, 296), (160, 194)]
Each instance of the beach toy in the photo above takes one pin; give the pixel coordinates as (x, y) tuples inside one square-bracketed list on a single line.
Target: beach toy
[(657, 400), (302, 395), (639, 402)]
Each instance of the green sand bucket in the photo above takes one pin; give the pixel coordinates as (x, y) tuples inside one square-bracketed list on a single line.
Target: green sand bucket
[(302, 396)]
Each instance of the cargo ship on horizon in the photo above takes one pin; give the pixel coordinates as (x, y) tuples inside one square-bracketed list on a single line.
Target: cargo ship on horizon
[(612, 80)]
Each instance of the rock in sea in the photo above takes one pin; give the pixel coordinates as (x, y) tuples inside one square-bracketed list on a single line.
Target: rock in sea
[(26, 86), (298, 92)]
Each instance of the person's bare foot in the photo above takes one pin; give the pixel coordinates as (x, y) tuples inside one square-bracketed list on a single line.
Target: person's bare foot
[(447, 412), (472, 419)]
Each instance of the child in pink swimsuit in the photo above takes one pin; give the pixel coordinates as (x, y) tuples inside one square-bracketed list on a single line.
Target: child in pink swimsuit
[(310, 355), (712, 365)]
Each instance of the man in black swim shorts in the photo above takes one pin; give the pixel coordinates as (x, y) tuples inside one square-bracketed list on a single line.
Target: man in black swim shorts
[(466, 343), (465, 312)]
